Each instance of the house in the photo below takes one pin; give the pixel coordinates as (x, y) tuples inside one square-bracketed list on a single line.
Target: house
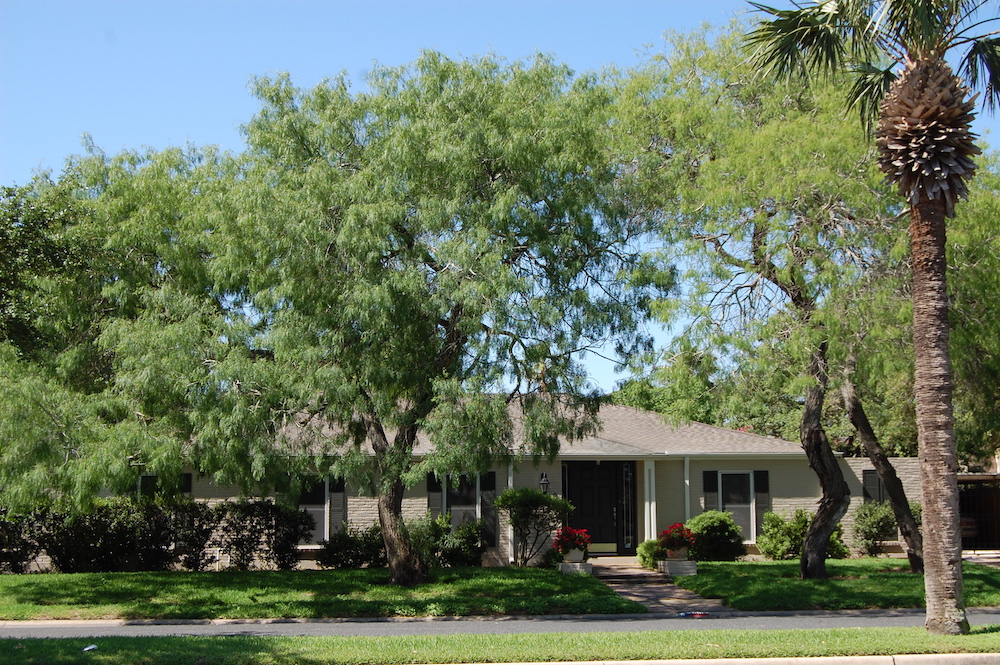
[(632, 479)]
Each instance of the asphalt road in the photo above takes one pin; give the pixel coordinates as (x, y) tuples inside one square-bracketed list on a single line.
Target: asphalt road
[(485, 626)]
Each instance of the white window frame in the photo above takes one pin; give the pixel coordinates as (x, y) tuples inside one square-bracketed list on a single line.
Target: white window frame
[(753, 500)]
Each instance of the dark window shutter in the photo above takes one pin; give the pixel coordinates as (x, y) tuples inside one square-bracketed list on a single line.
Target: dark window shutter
[(710, 484), (187, 480), (874, 490), (337, 486), (433, 495), (487, 492), (762, 496), (147, 485)]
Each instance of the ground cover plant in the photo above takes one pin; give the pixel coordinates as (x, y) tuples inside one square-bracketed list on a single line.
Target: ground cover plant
[(457, 591), (552, 647), (852, 584)]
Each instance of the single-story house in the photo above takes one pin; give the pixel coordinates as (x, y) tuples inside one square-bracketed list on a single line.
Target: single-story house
[(634, 478)]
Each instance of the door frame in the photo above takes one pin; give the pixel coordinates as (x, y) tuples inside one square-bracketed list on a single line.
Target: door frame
[(626, 519)]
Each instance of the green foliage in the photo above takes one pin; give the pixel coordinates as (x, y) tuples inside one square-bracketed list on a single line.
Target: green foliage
[(440, 544), (18, 541), (782, 538), (119, 534), (351, 547), (716, 537), (533, 516), (192, 523), (648, 552), (874, 523), (255, 533)]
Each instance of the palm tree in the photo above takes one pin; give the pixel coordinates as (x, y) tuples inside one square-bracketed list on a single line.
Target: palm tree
[(898, 52)]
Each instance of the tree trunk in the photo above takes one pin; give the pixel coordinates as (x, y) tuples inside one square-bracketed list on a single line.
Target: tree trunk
[(893, 486), (405, 569), (836, 495), (935, 425)]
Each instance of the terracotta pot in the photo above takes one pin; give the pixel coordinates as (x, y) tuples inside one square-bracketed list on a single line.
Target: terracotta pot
[(682, 553)]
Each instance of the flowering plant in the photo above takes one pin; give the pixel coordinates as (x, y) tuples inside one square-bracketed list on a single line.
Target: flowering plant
[(567, 538), (676, 537)]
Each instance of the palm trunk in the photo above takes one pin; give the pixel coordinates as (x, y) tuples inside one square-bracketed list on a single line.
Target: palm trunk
[(836, 495), (935, 424), (893, 486)]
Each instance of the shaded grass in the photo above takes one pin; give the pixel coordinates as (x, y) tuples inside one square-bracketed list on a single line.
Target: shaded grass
[(853, 584), (304, 594), (495, 648)]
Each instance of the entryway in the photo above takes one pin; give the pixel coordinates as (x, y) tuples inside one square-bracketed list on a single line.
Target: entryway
[(605, 499)]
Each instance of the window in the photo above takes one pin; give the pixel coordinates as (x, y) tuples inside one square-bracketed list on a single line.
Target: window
[(872, 485), (149, 485), (468, 497), (745, 494)]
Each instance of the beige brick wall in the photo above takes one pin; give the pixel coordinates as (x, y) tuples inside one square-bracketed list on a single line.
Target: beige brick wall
[(908, 470)]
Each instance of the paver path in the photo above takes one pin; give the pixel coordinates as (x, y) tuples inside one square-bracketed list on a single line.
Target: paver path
[(652, 589)]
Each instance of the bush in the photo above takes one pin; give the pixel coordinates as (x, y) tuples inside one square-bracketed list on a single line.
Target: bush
[(241, 532), (462, 545), (18, 545), (649, 552), (782, 539), (716, 537), (120, 534), (353, 548), (874, 523), (533, 516), (285, 528), (193, 523)]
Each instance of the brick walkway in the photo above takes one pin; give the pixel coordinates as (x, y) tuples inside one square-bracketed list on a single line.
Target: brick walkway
[(652, 589)]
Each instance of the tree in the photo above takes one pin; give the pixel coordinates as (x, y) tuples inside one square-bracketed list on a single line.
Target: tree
[(421, 262), (925, 149), (765, 230)]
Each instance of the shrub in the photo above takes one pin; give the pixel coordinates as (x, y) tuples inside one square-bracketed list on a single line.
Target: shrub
[(353, 548), (874, 523), (649, 552), (119, 534), (193, 523), (18, 545), (716, 537), (782, 539), (241, 532), (533, 516), (462, 545), (285, 528)]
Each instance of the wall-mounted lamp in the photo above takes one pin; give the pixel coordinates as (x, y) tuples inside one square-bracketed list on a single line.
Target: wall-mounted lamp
[(543, 482)]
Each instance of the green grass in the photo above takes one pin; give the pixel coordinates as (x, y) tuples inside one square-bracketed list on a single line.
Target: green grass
[(853, 584), (493, 648), (304, 594)]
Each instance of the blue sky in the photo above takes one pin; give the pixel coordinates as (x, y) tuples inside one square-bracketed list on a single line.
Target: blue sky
[(142, 73)]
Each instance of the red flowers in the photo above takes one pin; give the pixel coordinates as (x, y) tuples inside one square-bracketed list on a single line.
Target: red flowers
[(675, 537), (567, 538)]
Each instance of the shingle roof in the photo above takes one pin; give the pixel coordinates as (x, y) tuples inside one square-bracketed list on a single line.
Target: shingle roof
[(628, 432)]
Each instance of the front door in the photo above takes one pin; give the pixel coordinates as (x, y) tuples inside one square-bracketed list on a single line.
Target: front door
[(603, 494)]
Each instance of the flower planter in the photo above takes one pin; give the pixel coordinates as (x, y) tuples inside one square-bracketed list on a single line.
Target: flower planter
[(675, 567), (574, 556), (681, 553)]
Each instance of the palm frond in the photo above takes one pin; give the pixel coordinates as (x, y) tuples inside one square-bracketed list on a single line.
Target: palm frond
[(981, 68), (870, 87), (798, 40)]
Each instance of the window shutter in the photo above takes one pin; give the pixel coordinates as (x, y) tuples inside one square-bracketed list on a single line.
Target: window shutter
[(433, 495), (873, 488), (488, 492), (710, 485), (762, 496)]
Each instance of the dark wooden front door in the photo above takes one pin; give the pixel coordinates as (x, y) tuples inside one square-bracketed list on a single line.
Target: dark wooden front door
[(604, 497)]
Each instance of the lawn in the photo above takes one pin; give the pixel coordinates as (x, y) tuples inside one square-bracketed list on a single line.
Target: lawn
[(549, 647), (853, 584), (304, 594)]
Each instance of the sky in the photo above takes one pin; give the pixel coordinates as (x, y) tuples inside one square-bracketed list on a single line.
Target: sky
[(143, 73)]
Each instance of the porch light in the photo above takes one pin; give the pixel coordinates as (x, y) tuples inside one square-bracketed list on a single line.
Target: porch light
[(543, 482)]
